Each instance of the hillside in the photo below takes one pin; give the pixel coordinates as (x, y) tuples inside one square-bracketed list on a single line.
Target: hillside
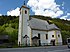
[(9, 26)]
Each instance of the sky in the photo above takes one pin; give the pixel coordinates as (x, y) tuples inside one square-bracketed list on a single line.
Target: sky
[(53, 8)]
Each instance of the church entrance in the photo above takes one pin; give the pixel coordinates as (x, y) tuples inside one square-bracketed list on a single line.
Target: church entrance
[(35, 41), (39, 43), (53, 42)]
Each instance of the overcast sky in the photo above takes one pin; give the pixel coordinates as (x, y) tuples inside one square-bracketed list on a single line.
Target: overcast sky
[(52, 8)]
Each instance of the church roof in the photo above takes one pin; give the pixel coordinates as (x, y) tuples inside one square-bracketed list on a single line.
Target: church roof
[(41, 24), (35, 37), (52, 26), (24, 7)]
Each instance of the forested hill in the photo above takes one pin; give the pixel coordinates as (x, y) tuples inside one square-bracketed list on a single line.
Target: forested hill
[(9, 26)]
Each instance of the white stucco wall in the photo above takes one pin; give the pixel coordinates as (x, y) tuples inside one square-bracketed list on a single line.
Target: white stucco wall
[(29, 35), (19, 29), (23, 25), (56, 38), (42, 35), (59, 38), (50, 33), (25, 18)]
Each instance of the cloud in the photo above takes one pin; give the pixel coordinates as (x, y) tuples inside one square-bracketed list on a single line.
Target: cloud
[(68, 14), (45, 8), (0, 14), (63, 3), (68, 19), (65, 17), (14, 12)]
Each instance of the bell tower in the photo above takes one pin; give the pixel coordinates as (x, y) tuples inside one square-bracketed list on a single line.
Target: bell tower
[(23, 23)]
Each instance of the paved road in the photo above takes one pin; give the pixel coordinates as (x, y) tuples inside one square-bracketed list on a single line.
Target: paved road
[(37, 49)]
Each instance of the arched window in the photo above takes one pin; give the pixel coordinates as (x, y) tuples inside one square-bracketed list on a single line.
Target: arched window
[(25, 12), (52, 36), (58, 35)]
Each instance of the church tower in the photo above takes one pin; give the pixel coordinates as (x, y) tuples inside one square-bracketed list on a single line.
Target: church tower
[(23, 24)]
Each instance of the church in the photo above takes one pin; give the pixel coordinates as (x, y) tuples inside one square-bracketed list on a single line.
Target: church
[(36, 32)]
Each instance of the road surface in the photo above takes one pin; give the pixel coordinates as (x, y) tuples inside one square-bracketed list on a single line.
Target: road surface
[(37, 49)]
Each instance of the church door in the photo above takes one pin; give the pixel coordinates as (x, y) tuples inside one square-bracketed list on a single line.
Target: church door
[(39, 43), (39, 39), (53, 42)]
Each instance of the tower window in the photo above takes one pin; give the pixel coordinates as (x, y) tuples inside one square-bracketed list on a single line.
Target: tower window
[(25, 12), (58, 35), (53, 36)]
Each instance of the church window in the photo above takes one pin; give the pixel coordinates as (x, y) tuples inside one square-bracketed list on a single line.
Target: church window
[(46, 36), (39, 35), (25, 12), (53, 36), (58, 35)]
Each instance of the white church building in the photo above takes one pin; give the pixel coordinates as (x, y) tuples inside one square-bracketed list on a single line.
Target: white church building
[(36, 32)]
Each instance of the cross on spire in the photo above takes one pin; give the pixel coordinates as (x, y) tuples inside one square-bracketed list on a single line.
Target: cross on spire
[(24, 2)]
